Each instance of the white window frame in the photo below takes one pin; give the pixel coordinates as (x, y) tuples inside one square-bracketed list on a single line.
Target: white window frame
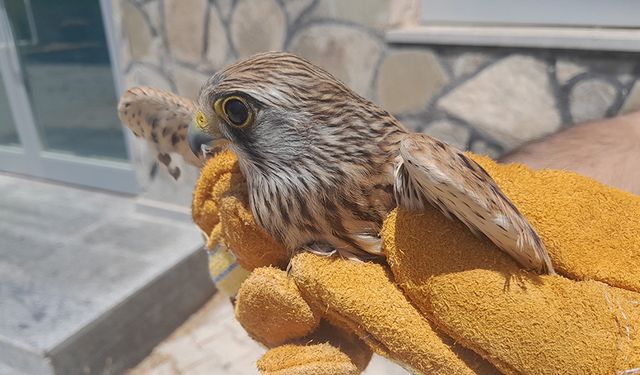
[(568, 13), (612, 25)]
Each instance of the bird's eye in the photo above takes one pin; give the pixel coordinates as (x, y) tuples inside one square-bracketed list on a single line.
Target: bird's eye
[(237, 111)]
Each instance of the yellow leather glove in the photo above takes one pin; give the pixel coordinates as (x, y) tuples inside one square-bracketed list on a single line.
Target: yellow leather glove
[(441, 279)]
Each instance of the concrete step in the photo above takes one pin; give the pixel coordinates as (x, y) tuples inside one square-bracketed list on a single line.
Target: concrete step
[(88, 284)]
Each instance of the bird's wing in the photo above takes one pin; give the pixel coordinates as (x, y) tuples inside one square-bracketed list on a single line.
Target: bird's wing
[(162, 119), (430, 171)]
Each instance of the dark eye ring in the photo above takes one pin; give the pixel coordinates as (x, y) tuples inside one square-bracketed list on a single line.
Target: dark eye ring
[(237, 111)]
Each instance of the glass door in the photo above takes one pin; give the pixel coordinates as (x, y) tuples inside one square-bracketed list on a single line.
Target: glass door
[(58, 97), (8, 132)]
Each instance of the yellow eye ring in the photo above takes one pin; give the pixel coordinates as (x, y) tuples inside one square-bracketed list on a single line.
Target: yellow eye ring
[(201, 120), (235, 110)]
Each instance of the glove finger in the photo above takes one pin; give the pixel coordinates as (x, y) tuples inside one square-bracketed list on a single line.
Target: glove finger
[(320, 359), (270, 308)]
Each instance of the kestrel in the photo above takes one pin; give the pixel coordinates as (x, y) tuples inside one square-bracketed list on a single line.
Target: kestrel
[(324, 166)]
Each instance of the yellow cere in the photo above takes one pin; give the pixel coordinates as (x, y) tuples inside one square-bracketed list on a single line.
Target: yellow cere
[(201, 120)]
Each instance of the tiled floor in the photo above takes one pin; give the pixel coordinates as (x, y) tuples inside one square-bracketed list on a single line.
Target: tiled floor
[(213, 342)]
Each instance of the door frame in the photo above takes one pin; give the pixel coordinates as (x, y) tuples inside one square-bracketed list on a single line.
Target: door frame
[(30, 157)]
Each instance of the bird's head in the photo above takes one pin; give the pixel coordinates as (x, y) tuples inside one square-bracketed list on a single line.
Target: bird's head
[(275, 108)]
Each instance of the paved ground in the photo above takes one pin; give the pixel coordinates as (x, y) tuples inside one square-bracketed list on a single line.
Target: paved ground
[(88, 282), (213, 342)]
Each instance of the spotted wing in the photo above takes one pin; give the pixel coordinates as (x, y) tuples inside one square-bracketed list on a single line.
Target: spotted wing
[(430, 171), (162, 119)]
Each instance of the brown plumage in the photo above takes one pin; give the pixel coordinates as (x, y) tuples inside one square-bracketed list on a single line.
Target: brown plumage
[(432, 172), (321, 162)]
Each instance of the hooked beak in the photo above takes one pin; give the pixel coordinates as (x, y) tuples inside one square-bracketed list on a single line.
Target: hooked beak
[(202, 144)]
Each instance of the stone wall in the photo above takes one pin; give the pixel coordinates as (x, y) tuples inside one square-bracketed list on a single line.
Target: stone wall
[(489, 100)]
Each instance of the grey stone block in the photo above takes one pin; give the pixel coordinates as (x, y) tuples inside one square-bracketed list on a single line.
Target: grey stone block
[(128, 331)]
